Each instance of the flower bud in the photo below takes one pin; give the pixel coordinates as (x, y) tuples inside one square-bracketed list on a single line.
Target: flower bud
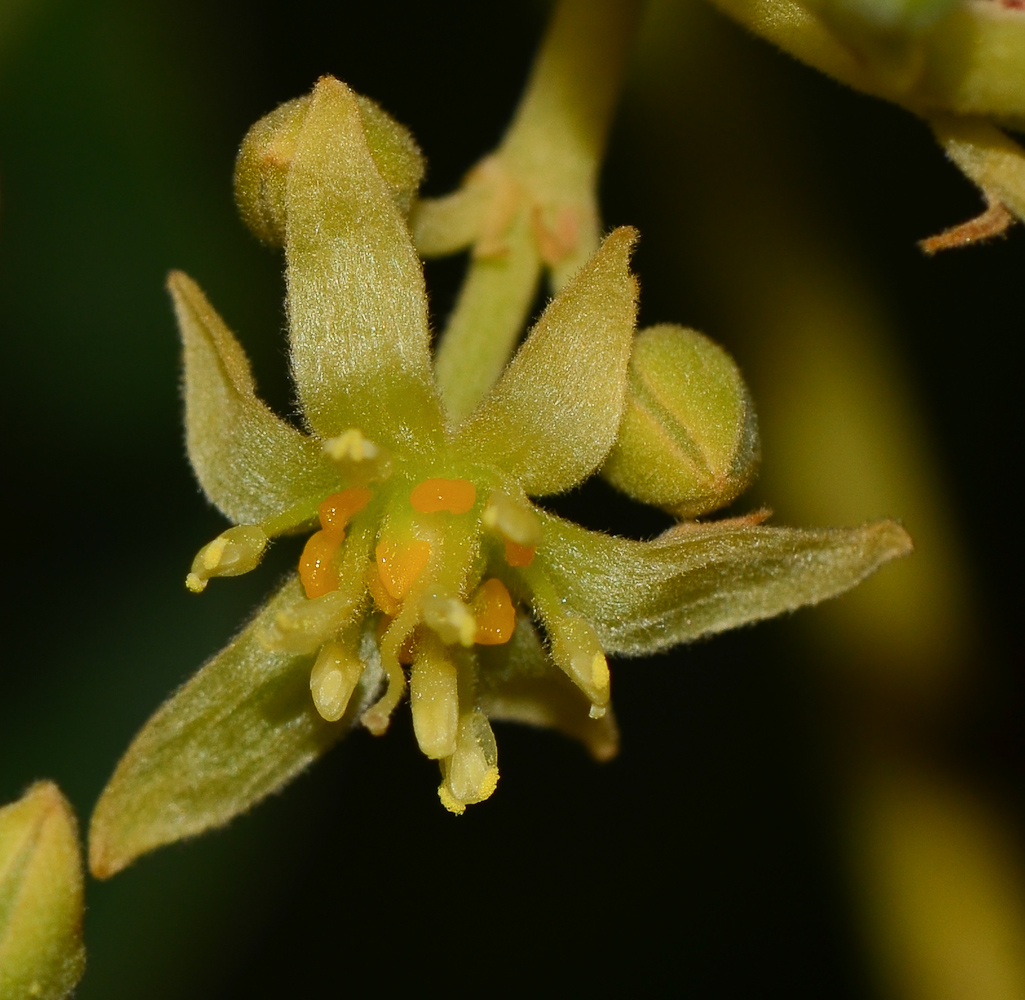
[(41, 953), (688, 439), (265, 156)]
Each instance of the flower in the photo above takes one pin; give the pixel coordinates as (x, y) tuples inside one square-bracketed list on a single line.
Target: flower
[(426, 550)]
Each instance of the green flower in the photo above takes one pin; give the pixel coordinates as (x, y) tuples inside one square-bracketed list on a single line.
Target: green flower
[(427, 553)]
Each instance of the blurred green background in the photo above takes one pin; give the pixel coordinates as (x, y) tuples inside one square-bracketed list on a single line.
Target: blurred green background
[(721, 853)]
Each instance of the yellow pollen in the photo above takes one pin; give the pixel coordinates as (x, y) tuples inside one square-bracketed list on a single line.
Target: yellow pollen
[(600, 672), (456, 496), (399, 564), (317, 569), (339, 508), (495, 613), (519, 555)]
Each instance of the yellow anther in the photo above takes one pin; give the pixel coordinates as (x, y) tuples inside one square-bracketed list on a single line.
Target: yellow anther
[(495, 613), (339, 508), (358, 458), (434, 699), (400, 563), (318, 569), (519, 555), (514, 519), (351, 446), (471, 773), (232, 553), (577, 651), (456, 496), (450, 618), (333, 679)]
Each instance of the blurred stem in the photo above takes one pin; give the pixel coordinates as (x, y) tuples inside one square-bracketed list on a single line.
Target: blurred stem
[(534, 201)]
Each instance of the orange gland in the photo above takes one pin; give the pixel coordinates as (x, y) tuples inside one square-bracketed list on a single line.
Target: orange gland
[(383, 601), (495, 613), (317, 569), (400, 563), (456, 496), (519, 555), (339, 508)]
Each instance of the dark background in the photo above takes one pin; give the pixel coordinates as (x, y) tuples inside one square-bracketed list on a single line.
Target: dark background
[(707, 858)]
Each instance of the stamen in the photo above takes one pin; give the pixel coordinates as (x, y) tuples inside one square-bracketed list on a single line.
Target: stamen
[(519, 555), (318, 569), (434, 699), (232, 553), (578, 653), (514, 519), (392, 645), (308, 624), (450, 618), (358, 458), (333, 679), (495, 613), (400, 563), (339, 508), (456, 496), (471, 773), (407, 651)]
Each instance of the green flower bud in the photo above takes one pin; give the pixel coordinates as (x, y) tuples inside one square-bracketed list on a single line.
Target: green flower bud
[(688, 440), (41, 952), (265, 156)]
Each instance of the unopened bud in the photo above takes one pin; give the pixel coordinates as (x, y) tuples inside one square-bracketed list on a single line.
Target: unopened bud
[(688, 440), (232, 553), (266, 154), (41, 953)]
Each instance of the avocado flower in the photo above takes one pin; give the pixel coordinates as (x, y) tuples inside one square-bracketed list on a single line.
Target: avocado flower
[(429, 571)]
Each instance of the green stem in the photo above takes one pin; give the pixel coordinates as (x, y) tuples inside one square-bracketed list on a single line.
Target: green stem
[(552, 154), (487, 320)]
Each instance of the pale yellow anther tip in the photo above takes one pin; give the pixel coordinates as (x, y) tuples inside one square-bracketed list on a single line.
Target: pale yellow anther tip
[(597, 711), (195, 583)]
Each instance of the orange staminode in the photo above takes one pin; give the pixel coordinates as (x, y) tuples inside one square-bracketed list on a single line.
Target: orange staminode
[(383, 601), (519, 555), (456, 496), (400, 563), (317, 569), (495, 613), (339, 508)]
